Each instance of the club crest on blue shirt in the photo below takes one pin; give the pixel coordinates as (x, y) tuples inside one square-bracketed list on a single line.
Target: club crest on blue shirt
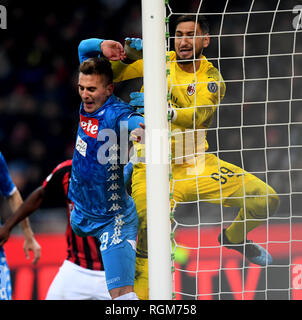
[(191, 89), (212, 87)]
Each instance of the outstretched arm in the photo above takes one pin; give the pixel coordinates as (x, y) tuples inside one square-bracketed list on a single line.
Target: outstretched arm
[(30, 243), (10, 191), (122, 59), (31, 204), (112, 50)]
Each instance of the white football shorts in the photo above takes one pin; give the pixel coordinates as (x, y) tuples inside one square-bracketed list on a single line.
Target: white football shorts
[(73, 282)]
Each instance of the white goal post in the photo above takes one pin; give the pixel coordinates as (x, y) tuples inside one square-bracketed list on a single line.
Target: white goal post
[(157, 152)]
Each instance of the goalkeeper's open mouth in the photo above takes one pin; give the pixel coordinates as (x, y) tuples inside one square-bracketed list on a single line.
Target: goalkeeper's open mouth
[(186, 49), (186, 52)]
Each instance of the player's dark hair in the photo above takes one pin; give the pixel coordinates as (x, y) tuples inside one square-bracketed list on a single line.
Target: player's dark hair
[(201, 20), (99, 66)]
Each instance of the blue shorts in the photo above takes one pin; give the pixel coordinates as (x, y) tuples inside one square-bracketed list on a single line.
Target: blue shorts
[(5, 281), (117, 243)]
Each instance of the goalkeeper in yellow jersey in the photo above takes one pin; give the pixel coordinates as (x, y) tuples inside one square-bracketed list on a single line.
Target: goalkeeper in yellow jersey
[(196, 88)]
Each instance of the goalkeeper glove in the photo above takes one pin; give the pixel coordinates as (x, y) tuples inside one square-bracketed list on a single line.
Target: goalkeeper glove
[(172, 113), (137, 100), (134, 48)]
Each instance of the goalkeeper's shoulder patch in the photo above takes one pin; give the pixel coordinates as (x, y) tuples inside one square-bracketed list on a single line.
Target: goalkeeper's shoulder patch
[(212, 87)]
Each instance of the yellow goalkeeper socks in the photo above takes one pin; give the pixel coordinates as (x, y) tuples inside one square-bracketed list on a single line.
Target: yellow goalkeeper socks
[(236, 231)]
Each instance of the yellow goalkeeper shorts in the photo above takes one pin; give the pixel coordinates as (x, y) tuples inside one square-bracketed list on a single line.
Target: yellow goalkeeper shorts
[(207, 178)]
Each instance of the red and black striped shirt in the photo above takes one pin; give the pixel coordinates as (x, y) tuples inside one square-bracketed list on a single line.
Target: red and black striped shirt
[(83, 251)]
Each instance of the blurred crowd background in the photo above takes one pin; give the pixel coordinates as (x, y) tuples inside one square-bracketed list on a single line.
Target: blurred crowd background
[(260, 121)]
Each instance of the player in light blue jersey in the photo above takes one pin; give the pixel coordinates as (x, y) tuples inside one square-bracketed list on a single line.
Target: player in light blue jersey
[(10, 191), (102, 207)]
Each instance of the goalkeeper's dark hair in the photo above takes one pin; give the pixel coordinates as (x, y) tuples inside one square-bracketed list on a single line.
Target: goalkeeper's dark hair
[(98, 66), (201, 20)]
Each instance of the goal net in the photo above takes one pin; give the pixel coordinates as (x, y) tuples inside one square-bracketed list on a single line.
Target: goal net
[(257, 47)]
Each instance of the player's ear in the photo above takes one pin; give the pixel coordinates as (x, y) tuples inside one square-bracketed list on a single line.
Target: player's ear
[(109, 89), (206, 40)]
